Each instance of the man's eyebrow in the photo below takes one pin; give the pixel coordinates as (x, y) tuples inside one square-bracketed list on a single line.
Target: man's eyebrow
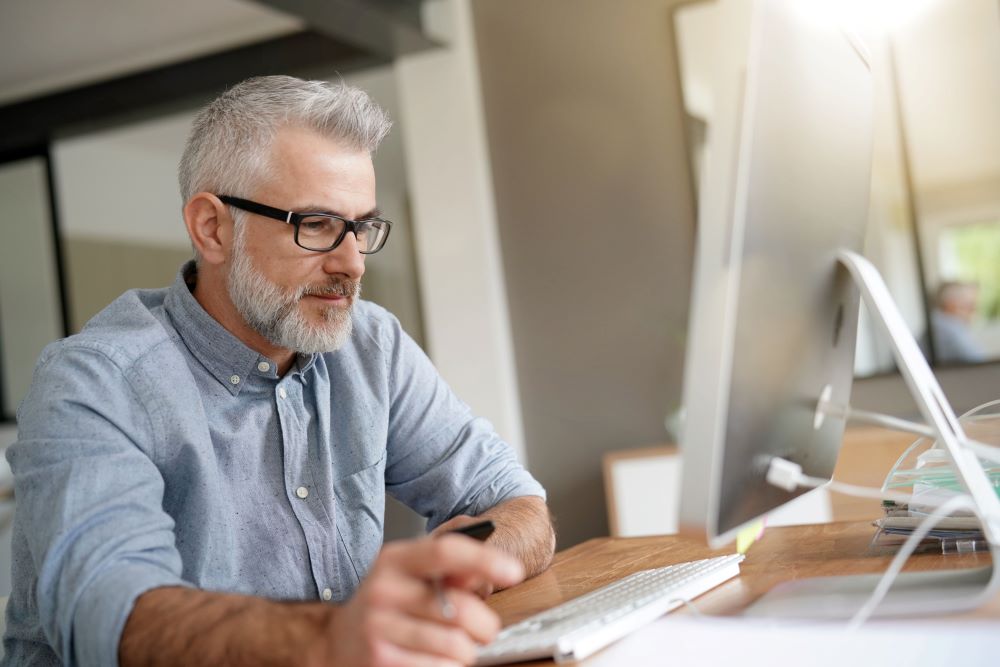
[(374, 213)]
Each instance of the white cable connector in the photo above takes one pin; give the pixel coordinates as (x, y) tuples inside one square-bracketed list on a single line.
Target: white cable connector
[(788, 475), (784, 474)]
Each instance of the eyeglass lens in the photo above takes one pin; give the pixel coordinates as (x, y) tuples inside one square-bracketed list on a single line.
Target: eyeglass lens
[(320, 233)]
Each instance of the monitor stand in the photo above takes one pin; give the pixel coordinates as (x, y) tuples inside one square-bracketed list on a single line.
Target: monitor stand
[(917, 593)]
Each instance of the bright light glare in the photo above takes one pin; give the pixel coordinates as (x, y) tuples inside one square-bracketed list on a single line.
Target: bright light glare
[(882, 15)]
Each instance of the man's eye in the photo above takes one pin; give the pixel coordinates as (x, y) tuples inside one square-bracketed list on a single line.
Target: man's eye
[(314, 225)]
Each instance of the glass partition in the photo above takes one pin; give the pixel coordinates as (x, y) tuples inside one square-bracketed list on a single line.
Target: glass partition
[(934, 220), (30, 302)]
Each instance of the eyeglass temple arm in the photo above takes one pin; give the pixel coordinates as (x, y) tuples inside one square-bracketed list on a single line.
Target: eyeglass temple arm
[(260, 209)]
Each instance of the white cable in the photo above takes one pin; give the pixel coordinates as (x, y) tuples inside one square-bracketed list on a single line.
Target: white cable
[(781, 474), (858, 491), (785, 471), (972, 414), (788, 475), (895, 423), (905, 551), (888, 421), (981, 450)]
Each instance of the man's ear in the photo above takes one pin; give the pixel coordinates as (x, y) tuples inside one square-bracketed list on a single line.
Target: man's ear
[(210, 227)]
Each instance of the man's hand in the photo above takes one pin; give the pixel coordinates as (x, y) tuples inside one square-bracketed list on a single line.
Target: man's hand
[(396, 617), (523, 530)]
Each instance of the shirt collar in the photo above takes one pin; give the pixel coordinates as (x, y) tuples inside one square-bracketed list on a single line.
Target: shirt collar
[(224, 355)]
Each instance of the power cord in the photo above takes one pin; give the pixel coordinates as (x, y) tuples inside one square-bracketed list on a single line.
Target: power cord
[(905, 551), (895, 423), (788, 475)]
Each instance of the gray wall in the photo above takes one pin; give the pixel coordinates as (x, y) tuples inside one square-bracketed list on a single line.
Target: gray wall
[(99, 270), (596, 220)]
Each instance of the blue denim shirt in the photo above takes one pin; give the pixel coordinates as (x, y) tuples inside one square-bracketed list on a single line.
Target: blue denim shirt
[(156, 449)]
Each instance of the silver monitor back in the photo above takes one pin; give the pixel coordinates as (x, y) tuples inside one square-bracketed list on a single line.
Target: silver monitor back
[(774, 317)]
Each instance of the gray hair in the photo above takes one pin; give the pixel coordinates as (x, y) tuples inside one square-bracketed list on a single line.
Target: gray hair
[(229, 146)]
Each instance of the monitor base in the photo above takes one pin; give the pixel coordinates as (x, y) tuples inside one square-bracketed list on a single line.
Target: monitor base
[(840, 597)]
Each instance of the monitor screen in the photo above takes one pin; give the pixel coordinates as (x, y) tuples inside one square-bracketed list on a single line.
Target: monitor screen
[(774, 316)]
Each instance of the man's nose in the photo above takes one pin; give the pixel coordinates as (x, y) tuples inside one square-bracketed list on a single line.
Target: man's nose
[(345, 259)]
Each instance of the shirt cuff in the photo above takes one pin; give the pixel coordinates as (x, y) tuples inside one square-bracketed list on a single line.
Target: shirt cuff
[(499, 493), (105, 605)]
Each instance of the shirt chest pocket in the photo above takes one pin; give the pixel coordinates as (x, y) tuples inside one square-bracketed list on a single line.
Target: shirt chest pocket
[(360, 512)]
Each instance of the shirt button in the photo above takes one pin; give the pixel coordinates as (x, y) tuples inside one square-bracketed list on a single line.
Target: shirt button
[(302, 492), (327, 594), (282, 393), (234, 379), (263, 367)]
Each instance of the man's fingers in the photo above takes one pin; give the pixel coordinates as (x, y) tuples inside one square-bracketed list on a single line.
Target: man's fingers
[(472, 583), (389, 655), (425, 637), (391, 589), (470, 614), (454, 555), (408, 605)]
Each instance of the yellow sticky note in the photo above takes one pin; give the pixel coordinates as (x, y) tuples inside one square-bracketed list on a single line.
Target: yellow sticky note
[(748, 536)]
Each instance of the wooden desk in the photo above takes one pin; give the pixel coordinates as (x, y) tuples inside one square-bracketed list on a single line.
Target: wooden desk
[(782, 554)]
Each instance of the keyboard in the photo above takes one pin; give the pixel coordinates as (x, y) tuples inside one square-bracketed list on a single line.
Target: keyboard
[(584, 625)]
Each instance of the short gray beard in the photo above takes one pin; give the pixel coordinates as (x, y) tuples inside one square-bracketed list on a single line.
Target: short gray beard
[(274, 312)]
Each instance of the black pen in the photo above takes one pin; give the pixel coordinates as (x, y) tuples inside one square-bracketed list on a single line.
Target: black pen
[(477, 531)]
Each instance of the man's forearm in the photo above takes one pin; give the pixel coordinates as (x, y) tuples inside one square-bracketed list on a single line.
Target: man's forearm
[(524, 530), (182, 626)]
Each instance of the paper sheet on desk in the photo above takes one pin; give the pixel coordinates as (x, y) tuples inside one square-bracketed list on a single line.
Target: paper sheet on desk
[(737, 642)]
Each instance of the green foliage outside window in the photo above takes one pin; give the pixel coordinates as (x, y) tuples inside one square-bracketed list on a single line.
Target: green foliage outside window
[(976, 250)]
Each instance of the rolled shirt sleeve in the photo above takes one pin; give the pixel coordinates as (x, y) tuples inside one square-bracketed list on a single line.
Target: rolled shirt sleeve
[(442, 459), (86, 487)]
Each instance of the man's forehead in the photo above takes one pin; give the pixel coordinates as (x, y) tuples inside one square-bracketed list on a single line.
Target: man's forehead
[(312, 172)]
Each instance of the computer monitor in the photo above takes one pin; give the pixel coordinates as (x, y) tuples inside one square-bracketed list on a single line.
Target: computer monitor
[(774, 317), (778, 284)]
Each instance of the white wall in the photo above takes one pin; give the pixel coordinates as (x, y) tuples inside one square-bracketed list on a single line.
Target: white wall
[(120, 184)]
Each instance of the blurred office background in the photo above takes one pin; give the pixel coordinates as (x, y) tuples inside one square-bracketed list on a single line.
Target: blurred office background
[(543, 172)]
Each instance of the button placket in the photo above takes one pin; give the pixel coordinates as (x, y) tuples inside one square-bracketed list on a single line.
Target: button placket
[(290, 410)]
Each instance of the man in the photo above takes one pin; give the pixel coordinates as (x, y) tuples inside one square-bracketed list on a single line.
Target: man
[(951, 323), (200, 473)]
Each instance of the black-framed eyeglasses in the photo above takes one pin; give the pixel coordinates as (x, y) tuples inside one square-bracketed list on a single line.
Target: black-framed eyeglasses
[(321, 232)]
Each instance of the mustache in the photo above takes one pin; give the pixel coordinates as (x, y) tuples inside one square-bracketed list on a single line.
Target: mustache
[(341, 287)]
